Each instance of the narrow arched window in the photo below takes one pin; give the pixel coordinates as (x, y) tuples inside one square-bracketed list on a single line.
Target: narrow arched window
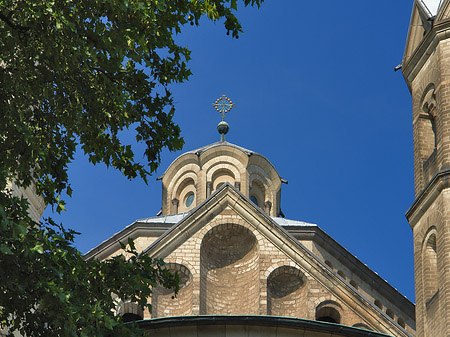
[(430, 266)]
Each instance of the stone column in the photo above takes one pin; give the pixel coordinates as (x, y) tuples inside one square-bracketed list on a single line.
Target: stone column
[(267, 207), (208, 188), (175, 206)]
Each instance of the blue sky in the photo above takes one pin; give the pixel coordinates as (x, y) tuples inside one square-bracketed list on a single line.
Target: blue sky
[(316, 93)]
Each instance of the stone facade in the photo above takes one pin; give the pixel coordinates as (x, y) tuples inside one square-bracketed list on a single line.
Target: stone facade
[(426, 68), (237, 258)]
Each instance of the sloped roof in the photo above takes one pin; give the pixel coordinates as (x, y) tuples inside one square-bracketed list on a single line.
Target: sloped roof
[(431, 6)]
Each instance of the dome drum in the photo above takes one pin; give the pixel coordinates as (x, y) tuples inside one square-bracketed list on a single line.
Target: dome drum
[(195, 175)]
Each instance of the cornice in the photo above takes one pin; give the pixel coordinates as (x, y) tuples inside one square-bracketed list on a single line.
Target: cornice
[(429, 194), (439, 32), (215, 325), (319, 236), (135, 230)]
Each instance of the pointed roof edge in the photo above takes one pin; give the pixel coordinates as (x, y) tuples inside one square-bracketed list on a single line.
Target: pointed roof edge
[(162, 247), (423, 13), (161, 224), (413, 64), (431, 7)]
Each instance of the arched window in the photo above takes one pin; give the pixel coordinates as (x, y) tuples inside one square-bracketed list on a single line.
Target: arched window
[(257, 193), (427, 126), (254, 200), (186, 193), (328, 311), (341, 274), (430, 266), (390, 313), (131, 312), (222, 176), (378, 304)]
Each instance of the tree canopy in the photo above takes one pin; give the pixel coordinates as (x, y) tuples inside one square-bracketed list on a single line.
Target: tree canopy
[(78, 73)]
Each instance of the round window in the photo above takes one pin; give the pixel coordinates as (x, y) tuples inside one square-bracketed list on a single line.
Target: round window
[(189, 199), (254, 200)]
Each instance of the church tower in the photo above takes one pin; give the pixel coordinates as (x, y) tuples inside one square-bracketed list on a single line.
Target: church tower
[(426, 69)]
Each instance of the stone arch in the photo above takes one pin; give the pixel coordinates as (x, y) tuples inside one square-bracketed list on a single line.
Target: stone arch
[(286, 292), (229, 271), (378, 304), (164, 302), (428, 96), (390, 313), (258, 192), (427, 121), (220, 163), (329, 311), (222, 176), (362, 326), (184, 182), (329, 264), (130, 311), (259, 176), (430, 264), (187, 162), (185, 187)]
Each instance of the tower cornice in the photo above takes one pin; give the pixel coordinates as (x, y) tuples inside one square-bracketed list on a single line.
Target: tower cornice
[(412, 66), (426, 198)]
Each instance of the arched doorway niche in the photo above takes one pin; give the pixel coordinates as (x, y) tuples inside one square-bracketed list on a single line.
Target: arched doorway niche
[(229, 272)]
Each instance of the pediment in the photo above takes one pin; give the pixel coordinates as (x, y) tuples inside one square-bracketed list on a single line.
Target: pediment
[(184, 243), (419, 25)]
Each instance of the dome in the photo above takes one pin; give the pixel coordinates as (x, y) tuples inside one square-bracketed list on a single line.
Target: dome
[(195, 175)]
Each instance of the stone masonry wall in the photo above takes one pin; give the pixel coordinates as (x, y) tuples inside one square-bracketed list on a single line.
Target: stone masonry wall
[(273, 283)]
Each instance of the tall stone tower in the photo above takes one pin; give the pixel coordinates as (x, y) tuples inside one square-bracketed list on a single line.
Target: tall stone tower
[(426, 69)]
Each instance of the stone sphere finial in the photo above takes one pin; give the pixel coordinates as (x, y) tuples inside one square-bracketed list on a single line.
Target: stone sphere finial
[(223, 129)]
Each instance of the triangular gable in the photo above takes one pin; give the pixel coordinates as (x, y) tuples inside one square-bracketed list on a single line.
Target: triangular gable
[(228, 199), (419, 25)]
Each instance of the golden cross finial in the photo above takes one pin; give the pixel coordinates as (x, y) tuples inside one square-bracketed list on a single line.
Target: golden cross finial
[(223, 105)]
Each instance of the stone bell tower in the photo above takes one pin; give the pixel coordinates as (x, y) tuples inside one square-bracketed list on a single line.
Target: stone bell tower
[(426, 69)]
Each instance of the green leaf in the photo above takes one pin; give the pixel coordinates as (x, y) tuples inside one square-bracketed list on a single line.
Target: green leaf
[(4, 249)]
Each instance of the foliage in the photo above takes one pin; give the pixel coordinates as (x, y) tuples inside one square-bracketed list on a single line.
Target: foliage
[(79, 72), (82, 71), (48, 289)]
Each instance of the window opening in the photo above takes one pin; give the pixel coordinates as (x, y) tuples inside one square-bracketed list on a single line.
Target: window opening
[(189, 199)]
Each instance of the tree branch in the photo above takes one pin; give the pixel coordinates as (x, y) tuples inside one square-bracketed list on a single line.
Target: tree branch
[(7, 20)]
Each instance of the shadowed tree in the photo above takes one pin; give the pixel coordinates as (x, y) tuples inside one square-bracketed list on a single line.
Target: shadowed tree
[(75, 73)]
